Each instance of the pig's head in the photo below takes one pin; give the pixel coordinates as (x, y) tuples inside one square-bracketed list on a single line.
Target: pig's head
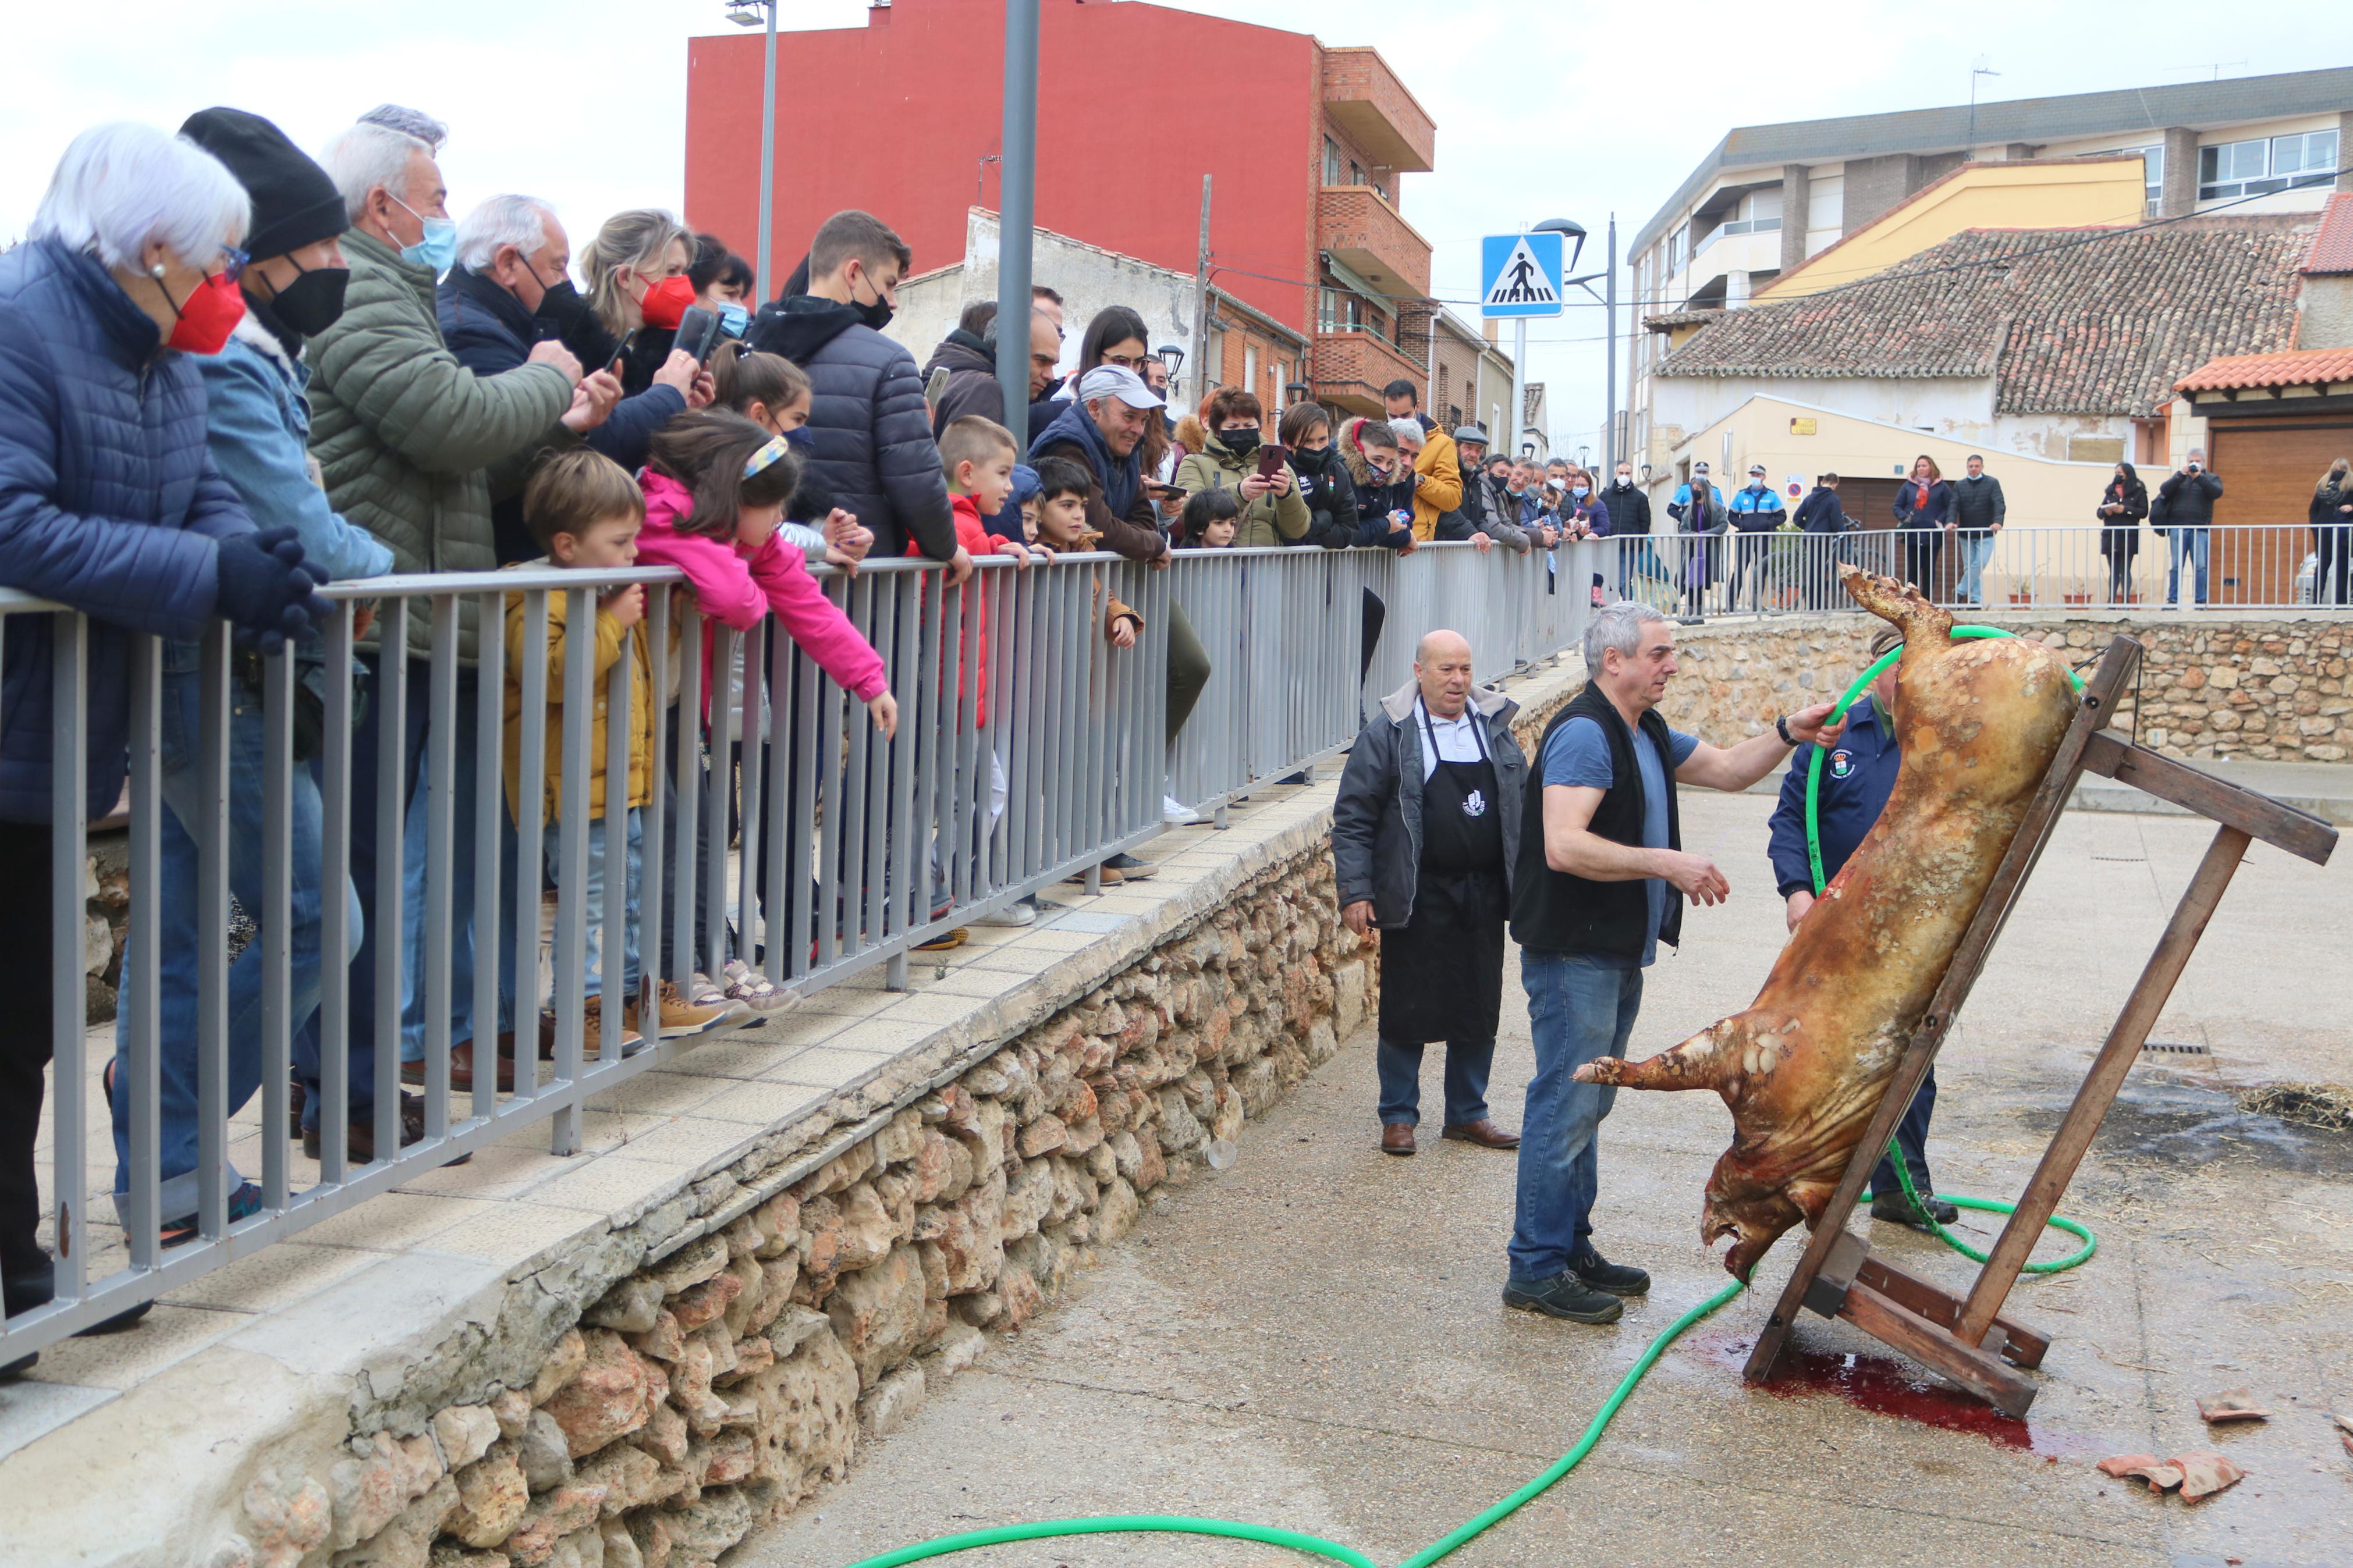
[(1749, 1211)]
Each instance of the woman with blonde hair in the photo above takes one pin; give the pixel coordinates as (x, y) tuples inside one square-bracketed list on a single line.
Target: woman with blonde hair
[(637, 269), (2332, 533)]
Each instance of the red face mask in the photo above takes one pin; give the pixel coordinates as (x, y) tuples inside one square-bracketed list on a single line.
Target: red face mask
[(665, 303), (211, 313)]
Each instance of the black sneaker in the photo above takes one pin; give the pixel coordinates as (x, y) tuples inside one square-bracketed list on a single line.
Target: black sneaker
[(1565, 1296), (1617, 1278)]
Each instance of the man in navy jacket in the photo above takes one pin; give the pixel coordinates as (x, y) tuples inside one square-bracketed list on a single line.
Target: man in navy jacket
[(1858, 775)]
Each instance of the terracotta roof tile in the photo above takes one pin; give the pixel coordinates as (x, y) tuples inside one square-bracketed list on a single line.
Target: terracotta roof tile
[(2296, 367), (2063, 322), (2332, 247)]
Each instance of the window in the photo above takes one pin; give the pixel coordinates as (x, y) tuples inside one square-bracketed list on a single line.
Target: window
[(1356, 173), (1250, 367), (1331, 162), (1676, 244), (1345, 311), (2259, 167)]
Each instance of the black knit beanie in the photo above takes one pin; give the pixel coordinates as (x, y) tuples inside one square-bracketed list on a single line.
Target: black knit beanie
[(294, 202)]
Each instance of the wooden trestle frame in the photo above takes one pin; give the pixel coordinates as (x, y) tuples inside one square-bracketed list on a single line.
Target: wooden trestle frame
[(1967, 1338)]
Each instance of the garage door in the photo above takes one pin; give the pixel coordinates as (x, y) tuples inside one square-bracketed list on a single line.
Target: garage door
[(2267, 474)]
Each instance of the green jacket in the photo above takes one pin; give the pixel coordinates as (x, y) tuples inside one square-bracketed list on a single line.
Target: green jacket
[(1270, 519), (405, 436)]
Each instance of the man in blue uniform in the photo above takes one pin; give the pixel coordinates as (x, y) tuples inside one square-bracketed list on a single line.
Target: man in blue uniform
[(1858, 775)]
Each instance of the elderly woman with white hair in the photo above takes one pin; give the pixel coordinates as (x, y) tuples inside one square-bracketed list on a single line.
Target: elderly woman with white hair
[(111, 505)]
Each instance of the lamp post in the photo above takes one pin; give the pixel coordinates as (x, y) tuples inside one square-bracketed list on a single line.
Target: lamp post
[(1017, 187), (1608, 275), (748, 13)]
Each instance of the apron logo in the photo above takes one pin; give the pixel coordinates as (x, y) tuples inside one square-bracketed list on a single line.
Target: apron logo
[(1841, 764), (1474, 804)]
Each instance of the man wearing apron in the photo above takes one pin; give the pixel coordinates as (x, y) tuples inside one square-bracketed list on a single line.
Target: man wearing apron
[(1424, 834)]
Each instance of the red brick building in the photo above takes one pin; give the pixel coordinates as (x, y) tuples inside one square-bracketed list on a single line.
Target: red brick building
[(1305, 145)]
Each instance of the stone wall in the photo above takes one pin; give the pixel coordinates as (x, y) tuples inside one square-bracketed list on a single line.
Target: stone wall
[(2210, 687), (714, 1387)]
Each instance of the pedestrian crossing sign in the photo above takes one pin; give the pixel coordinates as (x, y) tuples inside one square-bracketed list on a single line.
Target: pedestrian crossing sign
[(1520, 275)]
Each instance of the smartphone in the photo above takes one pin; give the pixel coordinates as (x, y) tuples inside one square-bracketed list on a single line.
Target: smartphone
[(1271, 460), (698, 333), (620, 353)]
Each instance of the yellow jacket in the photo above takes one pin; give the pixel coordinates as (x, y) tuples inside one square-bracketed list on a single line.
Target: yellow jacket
[(609, 637), (1441, 489)]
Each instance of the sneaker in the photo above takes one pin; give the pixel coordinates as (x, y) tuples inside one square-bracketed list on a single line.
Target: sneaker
[(1565, 1296), (1618, 1278), (1019, 912), (1176, 811), (1132, 869), (1111, 876), (243, 1204), (682, 1019), (592, 1030), (748, 985), (955, 936)]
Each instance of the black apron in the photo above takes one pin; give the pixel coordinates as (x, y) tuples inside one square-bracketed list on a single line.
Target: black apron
[(1442, 973)]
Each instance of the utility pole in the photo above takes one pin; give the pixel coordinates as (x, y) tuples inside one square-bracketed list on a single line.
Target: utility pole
[(1201, 305), (767, 153), (1609, 335), (1016, 182)]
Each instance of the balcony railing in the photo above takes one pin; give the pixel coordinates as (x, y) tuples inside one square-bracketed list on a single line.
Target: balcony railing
[(1363, 233)]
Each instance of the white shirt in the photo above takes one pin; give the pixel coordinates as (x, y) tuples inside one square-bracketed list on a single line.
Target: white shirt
[(1457, 738)]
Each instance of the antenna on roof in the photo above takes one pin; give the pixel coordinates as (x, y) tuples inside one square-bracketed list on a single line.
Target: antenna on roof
[(1981, 67), (2216, 69)]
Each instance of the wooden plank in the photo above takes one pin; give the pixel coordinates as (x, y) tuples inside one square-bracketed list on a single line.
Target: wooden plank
[(2116, 667), (2020, 1346), (2100, 1085), (1935, 1347), (2282, 826)]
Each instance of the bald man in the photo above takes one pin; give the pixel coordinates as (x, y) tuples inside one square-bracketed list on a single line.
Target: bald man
[(1423, 837)]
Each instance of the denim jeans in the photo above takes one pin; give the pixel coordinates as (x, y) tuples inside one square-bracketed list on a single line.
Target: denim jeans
[(1912, 1137), (1578, 1010), (1467, 1062), (2193, 543), (177, 958), (416, 745), (1975, 553), (551, 845)]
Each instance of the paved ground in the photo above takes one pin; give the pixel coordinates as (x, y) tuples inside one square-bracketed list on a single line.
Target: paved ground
[(1314, 1339)]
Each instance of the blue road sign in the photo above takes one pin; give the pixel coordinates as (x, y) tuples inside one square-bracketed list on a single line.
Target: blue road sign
[(1519, 275)]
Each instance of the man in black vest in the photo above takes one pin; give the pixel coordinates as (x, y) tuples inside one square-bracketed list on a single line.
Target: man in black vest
[(1423, 838), (1601, 882)]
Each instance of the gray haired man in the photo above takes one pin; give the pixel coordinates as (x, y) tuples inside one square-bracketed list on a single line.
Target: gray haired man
[(1601, 882)]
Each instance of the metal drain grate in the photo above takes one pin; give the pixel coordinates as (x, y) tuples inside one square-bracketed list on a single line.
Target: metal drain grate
[(2175, 1048)]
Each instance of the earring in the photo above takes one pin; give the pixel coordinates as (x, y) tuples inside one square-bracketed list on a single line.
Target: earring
[(156, 271)]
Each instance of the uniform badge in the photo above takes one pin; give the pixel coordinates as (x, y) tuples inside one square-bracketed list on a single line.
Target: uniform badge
[(1474, 804), (1841, 764)]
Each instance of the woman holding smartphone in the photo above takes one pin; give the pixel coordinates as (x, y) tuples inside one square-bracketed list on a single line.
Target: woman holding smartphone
[(1272, 510)]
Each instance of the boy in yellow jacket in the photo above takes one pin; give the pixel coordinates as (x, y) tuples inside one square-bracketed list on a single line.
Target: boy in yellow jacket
[(585, 510)]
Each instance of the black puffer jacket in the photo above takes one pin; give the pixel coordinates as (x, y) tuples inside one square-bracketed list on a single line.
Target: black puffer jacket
[(2190, 498), (972, 381), (870, 429), (1630, 507), (1331, 497)]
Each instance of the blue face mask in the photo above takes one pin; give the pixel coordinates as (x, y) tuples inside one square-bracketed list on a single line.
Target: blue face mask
[(438, 249), (1577, 490), (802, 437), (734, 319)]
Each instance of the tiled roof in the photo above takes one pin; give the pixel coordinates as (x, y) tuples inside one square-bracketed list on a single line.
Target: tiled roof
[(2297, 367), (2332, 247), (2065, 320)]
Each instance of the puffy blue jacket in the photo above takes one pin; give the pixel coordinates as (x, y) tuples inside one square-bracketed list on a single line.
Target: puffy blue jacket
[(109, 502)]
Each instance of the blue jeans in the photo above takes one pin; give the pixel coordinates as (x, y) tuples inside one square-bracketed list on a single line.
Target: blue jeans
[(1912, 1137), (1975, 554), (550, 847), (414, 753), (1467, 1062), (1578, 1010), (2193, 543), (177, 958)]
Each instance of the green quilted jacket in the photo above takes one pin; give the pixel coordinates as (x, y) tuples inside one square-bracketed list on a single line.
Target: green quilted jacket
[(406, 436)]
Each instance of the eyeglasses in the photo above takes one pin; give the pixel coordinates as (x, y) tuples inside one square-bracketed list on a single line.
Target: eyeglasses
[(233, 262)]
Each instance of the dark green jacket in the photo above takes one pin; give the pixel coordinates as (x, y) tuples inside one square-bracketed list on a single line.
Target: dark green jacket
[(406, 437)]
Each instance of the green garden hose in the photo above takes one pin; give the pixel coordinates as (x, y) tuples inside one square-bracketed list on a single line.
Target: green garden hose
[(1480, 1523)]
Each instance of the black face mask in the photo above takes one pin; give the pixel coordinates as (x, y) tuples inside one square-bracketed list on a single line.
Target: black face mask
[(560, 306), (1241, 443), (313, 302), (877, 313)]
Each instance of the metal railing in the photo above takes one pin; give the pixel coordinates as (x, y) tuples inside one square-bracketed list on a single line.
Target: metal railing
[(2238, 566), (836, 849)]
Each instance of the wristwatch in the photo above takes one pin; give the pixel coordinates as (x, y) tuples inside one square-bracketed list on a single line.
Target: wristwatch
[(1781, 724)]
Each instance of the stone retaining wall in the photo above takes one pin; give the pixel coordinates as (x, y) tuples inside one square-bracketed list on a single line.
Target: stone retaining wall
[(2210, 687)]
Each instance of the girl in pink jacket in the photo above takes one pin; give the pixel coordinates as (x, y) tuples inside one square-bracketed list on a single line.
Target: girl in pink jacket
[(716, 486)]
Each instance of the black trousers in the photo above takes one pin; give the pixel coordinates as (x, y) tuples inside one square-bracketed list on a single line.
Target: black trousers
[(26, 945), (1921, 548)]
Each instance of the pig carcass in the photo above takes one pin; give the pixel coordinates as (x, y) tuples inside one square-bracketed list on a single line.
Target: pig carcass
[(1806, 1065)]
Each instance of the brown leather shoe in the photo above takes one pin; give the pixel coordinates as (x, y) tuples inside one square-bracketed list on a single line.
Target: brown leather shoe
[(461, 1067), (1483, 1132), (1397, 1138)]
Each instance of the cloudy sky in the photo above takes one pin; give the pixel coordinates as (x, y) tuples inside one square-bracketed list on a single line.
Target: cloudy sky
[(1543, 109)]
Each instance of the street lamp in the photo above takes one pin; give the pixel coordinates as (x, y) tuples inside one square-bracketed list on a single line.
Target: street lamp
[(750, 14), (1609, 302)]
